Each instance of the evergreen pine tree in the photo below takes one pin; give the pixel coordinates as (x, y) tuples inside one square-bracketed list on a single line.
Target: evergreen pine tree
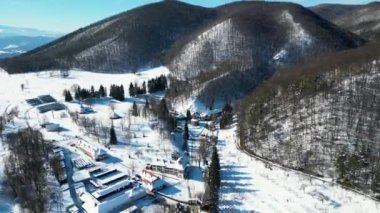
[(215, 168), (122, 93), (102, 91), (92, 91), (112, 91), (132, 91), (147, 106), (163, 110), (68, 96), (77, 93), (135, 111), (144, 88), (214, 181), (113, 139), (186, 132), (185, 137), (227, 116), (188, 115)]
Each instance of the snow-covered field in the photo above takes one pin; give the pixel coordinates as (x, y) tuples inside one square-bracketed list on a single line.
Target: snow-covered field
[(52, 83), (248, 185)]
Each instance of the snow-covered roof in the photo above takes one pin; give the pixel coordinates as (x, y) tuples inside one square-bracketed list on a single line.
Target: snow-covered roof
[(179, 164), (80, 176), (149, 176), (112, 178), (93, 150), (111, 188), (52, 127), (99, 152)]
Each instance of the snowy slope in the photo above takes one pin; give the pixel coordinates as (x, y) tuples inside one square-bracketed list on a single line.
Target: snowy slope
[(250, 185)]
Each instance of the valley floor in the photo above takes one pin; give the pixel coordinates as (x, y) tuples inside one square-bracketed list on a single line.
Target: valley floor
[(248, 185)]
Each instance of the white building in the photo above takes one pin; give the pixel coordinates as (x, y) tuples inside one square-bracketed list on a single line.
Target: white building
[(152, 181), (94, 152), (178, 167)]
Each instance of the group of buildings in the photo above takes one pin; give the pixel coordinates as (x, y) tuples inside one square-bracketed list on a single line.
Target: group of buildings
[(109, 190)]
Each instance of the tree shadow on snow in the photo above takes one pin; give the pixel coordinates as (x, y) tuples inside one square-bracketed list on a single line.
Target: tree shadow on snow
[(196, 173)]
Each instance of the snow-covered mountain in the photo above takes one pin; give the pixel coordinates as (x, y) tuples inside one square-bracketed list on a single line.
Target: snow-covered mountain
[(132, 40), (15, 41), (149, 36), (248, 44), (364, 20)]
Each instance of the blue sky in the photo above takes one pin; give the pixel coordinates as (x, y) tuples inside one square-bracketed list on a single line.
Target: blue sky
[(69, 15)]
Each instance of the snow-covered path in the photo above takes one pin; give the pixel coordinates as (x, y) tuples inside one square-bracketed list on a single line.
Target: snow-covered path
[(248, 185)]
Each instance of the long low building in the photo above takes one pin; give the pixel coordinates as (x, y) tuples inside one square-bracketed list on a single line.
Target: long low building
[(94, 152), (109, 191), (179, 168), (113, 201)]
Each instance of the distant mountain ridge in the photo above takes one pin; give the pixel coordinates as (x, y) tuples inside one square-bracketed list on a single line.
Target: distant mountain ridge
[(125, 42), (364, 20), (242, 42), (141, 37), (9, 31), (15, 41)]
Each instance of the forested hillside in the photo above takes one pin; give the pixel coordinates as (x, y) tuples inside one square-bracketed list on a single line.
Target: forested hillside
[(364, 20), (222, 53), (321, 117), (247, 45), (135, 39)]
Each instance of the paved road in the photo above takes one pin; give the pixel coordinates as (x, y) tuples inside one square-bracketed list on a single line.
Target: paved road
[(70, 182)]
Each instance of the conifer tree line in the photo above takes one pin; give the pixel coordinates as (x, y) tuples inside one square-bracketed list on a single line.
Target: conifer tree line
[(157, 84), (82, 93), (154, 85), (117, 92), (135, 90)]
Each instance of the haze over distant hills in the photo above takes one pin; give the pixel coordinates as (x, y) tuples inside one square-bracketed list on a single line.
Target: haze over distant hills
[(363, 20), (15, 40)]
